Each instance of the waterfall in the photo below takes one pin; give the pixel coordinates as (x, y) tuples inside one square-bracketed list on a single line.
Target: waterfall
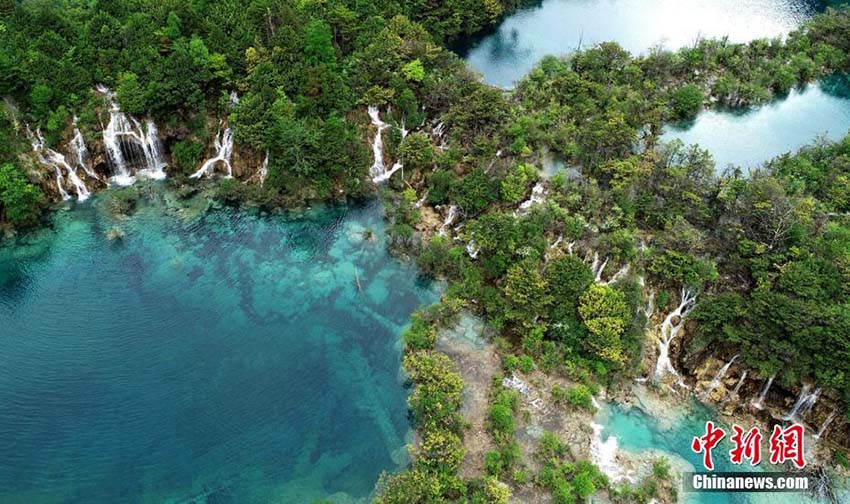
[(52, 159), (450, 218), (596, 268), (154, 160), (378, 167), (439, 132), (759, 403), (223, 152), (669, 330), (825, 424), (472, 249), (735, 390), (123, 136), (378, 172), (719, 376), (81, 152), (650, 305), (619, 275), (264, 170), (805, 402), (538, 194), (57, 160), (389, 173)]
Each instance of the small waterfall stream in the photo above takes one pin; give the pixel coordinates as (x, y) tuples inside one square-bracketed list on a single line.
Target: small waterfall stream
[(223, 153), (759, 403), (378, 168), (538, 195), (825, 424), (719, 376), (52, 159), (81, 152), (737, 388), (668, 332), (378, 172), (450, 218), (805, 402)]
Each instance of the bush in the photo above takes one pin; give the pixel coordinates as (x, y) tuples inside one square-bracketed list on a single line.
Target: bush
[(687, 101), (421, 334), (581, 397), (501, 422)]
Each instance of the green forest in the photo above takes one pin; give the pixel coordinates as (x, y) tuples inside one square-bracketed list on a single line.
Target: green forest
[(768, 253)]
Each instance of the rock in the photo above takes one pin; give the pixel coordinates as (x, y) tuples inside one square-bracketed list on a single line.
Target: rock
[(114, 234)]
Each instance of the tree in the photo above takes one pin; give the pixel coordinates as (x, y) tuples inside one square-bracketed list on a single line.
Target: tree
[(526, 293), (21, 201), (687, 101), (604, 311), (567, 278)]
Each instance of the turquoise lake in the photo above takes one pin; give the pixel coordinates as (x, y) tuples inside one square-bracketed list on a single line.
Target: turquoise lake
[(205, 357), (747, 138), (558, 27)]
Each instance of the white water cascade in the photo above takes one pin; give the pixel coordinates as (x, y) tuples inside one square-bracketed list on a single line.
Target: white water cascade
[(735, 390), (825, 424), (263, 174), (538, 195), (668, 332), (378, 168), (619, 275), (597, 268), (81, 152), (450, 218), (124, 136), (378, 171), (223, 152), (759, 403), (52, 159), (804, 404), (719, 376)]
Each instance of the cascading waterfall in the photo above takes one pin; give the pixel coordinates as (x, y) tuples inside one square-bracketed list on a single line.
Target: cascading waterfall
[(378, 167), (719, 376), (805, 402), (472, 249), (825, 424), (649, 309), (223, 152), (81, 152), (378, 171), (538, 195), (264, 170), (450, 218), (735, 390), (124, 136), (759, 403), (668, 332), (619, 275), (52, 159), (597, 268)]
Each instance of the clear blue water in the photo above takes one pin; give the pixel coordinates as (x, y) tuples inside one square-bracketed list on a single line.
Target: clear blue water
[(220, 358), (638, 433), (747, 138), (558, 27)]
